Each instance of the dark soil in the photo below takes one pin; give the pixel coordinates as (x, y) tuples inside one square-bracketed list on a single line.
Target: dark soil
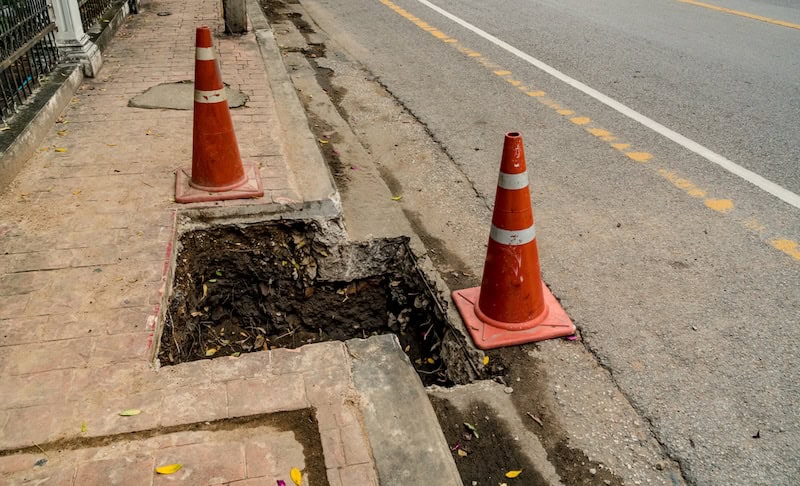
[(239, 290), (487, 452)]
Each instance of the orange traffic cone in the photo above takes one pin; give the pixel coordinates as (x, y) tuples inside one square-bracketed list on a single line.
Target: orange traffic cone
[(217, 169), (512, 305)]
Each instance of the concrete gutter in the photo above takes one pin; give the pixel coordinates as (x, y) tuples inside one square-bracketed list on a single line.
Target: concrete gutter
[(313, 177)]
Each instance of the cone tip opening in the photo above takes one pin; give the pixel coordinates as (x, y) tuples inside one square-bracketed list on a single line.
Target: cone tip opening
[(513, 135)]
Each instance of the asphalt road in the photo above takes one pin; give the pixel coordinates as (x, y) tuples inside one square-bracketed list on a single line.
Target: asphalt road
[(663, 144)]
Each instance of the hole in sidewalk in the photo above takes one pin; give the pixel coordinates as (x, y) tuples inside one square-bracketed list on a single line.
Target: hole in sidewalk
[(274, 285)]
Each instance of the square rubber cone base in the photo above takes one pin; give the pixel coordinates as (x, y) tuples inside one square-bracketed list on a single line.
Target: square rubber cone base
[(556, 324), (251, 188)]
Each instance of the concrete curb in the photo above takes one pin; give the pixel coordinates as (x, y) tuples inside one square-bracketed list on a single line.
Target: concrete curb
[(408, 445), (312, 174)]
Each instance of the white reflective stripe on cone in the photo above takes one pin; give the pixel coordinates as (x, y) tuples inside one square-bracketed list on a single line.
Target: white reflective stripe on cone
[(214, 96), (513, 181), (513, 238), (204, 54)]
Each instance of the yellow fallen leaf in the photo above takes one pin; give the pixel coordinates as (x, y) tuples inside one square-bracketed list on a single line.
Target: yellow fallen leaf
[(83, 427), (130, 412), (430, 360), (397, 198), (111, 144), (60, 149), (3, 129), (77, 193), (148, 132), (296, 476), (513, 474), (462, 453), (61, 133), (169, 469), (485, 360), (211, 351), (323, 141)]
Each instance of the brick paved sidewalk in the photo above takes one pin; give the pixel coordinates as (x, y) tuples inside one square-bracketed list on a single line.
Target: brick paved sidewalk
[(84, 231)]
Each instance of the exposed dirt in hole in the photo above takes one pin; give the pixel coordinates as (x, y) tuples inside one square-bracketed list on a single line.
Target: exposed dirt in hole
[(249, 289), (486, 455)]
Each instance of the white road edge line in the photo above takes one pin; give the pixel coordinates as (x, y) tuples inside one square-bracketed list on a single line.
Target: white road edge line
[(778, 191)]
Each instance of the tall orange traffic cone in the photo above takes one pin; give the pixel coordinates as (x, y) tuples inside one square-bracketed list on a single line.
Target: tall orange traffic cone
[(512, 305), (217, 169)]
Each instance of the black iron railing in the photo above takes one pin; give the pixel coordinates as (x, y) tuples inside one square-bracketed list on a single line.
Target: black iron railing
[(91, 10), (27, 49)]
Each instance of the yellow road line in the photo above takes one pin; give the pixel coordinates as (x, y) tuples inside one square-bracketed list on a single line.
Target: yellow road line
[(742, 14), (786, 246)]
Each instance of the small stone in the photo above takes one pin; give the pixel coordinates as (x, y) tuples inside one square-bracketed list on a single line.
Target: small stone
[(592, 471), (694, 328), (508, 390), (606, 481)]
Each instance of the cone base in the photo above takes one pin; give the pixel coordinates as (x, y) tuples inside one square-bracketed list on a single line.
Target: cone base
[(556, 324), (250, 188)]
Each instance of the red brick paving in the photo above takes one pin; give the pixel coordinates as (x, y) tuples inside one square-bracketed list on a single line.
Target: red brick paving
[(83, 239)]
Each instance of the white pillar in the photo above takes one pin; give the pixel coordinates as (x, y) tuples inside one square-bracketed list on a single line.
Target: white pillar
[(72, 39)]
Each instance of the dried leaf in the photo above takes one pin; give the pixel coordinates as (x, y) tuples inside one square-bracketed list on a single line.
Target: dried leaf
[(430, 360), (485, 360), (77, 193), (61, 133), (3, 129), (213, 280), (111, 144), (60, 149), (323, 141), (513, 474), (169, 469), (218, 273), (211, 351), (205, 291), (462, 453), (195, 313), (83, 427), (472, 429), (397, 198), (148, 132), (297, 476), (130, 412)]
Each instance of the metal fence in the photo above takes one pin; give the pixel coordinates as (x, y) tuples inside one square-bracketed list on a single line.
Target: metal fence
[(27, 49), (91, 10)]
